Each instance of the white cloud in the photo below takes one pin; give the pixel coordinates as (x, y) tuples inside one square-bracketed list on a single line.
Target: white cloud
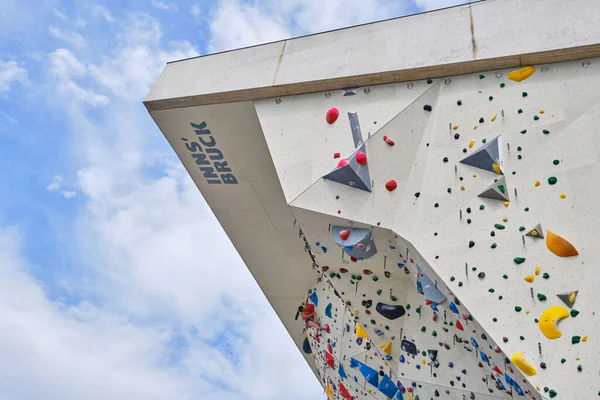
[(68, 194), (195, 10), (56, 183), (73, 38), (161, 5), (101, 12), (59, 14), (10, 72)]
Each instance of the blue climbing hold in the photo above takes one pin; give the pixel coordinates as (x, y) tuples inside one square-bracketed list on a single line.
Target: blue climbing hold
[(453, 308)]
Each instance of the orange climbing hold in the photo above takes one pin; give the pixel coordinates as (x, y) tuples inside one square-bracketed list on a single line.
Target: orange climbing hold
[(361, 158), (530, 278), (332, 115), (536, 183), (521, 74), (455, 126), (559, 245), (506, 203), (538, 270), (563, 195)]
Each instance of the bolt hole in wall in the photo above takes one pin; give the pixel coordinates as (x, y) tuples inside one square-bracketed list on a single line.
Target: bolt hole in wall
[(451, 227)]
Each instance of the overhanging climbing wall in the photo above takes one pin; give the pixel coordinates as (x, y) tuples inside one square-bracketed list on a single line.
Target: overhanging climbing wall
[(465, 265)]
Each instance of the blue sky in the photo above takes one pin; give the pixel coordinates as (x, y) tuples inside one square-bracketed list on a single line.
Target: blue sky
[(115, 279)]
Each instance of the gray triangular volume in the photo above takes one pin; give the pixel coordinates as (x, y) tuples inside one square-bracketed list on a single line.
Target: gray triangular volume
[(536, 232), (567, 297), (352, 174), (355, 127), (496, 191), (487, 157)]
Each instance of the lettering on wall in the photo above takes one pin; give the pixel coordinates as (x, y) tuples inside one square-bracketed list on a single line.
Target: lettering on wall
[(208, 157)]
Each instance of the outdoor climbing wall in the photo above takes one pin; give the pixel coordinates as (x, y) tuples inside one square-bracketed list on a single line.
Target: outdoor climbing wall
[(473, 245)]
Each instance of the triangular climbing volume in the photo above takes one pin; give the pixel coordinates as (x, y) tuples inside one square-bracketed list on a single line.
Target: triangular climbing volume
[(536, 232), (353, 171), (496, 191), (487, 157), (568, 298)]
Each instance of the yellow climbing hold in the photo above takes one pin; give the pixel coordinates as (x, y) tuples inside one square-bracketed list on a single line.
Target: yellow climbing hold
[(471, 144), (474, 176), (493, 117), (521, 74), (505, 219), (549, 320), (410, 397), (462, 188), (542, 111), (506, 203), (424, 361), (497, 168), (455, 126), (329, 391), (386, 347), (536, 183), (355, 312), (563, 195), (479, 91), (538, 270), (559, 245), (523, 364), (360, 331), (572, 297), (475, 127), (584, 339), (530, 278)]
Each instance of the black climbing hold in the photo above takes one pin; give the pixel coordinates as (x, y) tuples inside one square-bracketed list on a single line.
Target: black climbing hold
[(456, 136), (452, 279), (469, 210), (436, 205), (409, 347), (427, 107), (471, 244), (460, 284), (492, 233), (459, 103), (464, 150), (449, 190), (417, 194), (495, 319), (481, 120), (306, 346), (430, 81), (481, 275), (543, 365), (390, 311), (468, 220), (505, 339), (445, 159)]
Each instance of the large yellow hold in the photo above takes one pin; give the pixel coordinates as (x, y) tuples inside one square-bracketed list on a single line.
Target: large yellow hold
[(386, 347), (523, 364), (559, 245), (329, 392), (521, 74), (360, 332), (549, 321)]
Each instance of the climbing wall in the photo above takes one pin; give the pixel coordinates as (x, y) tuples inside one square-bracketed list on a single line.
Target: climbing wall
[(450, 223)]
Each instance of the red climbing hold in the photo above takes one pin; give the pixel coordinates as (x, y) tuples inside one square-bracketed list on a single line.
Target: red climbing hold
[(391, 185), (344, 234), (344, 392), (329, 348), (336, 155), (361, 158), (329, 360), (342, 163), (459, 325), (332, 115), (353, 259), (497, 369), (388, 140)]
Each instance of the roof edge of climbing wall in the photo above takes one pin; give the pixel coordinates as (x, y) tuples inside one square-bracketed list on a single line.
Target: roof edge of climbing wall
[(378, 78)]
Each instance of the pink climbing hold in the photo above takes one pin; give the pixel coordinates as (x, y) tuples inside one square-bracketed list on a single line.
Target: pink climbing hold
[(361, 158), (344, 234), (388, 140), (332, 115), (391, 185), (343, 162), (459, 325), (336, 155)]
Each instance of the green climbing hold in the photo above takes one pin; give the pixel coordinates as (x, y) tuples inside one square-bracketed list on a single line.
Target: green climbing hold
[(474, 269), (514, 172), (491, 98), (522, 337), (373, 322), (332, 275), (375, 278), (434, 334), (423, 329), (574, 313), (491, 290), (524, 94), (494, 245), (482, 207), (445, 329), (518, 308), (387, 328), (505, 276), (501, 188), (418, 310), (546, 275), (407, 307), (563, 360), (556, 162), (394, 298), (535, 117), (579, 368), (541, 297), (424, 353), (481, 76), (519, 260), (521, 228), (536, 320), (552, 393), (359, 277), (546, 131), (379, 292), (499, 226), (484, 141), (452, 384), (519, 148), (524, 131), (526, 209), (552, 180), (575, 339), (520, 111), (519, 157), (502, 85), (338, 276)]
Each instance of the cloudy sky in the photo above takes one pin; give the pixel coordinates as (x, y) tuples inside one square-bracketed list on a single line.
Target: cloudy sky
[(116, 282)]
